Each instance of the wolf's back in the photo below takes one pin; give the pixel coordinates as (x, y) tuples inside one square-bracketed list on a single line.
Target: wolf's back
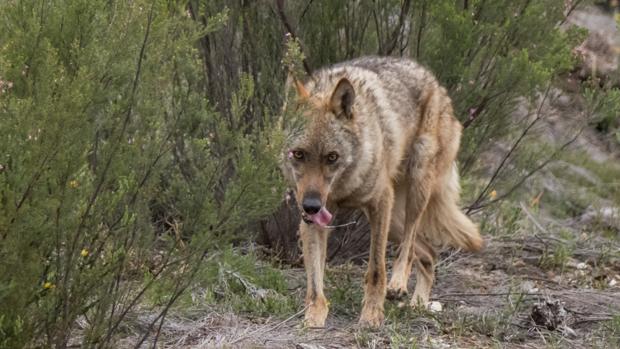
[(400, 81)]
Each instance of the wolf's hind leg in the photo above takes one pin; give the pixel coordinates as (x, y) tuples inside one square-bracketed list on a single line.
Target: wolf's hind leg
[(425, 261), (419, 183), (314, 244), (401, 270)]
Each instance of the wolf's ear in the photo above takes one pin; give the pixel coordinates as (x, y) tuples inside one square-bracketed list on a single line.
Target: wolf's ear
[(343, 98), (302, 93)]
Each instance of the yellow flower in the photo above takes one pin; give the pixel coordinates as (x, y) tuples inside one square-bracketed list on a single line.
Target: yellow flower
[(84, 252), (48, 285), (493, 194), (74, 184)]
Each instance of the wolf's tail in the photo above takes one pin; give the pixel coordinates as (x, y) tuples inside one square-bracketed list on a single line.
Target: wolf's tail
[(443, 220)]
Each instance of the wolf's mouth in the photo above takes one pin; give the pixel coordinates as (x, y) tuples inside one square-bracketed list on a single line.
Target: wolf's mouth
[(305, 218), (321, 218)]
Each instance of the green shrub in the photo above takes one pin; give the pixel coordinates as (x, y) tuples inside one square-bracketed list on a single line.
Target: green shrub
[(118, 175)]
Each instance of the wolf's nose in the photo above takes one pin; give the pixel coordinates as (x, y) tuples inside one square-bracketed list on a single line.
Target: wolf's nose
[(311, 204)]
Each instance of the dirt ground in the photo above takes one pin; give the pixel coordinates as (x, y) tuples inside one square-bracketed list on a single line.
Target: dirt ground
[(487, 301)]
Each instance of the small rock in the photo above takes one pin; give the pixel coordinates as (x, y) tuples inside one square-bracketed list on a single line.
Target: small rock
[(613, 282), (438, 343), (563, 100), (308, 346), (567, 331), (260, 293), (435, 307), (605, 216), (529, 287), (582, 266)]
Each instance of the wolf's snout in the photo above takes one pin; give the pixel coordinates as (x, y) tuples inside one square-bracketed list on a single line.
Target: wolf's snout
[(312, 203)]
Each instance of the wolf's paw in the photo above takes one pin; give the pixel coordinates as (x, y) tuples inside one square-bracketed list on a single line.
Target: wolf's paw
[(396, 294), (316, 314), (372, 316), (419, 301), (397, 288)]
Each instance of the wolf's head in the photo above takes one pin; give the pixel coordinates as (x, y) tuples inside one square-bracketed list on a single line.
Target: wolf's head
[(317, 157)]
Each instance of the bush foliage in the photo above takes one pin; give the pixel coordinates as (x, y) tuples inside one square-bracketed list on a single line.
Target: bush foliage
[(113, 156)]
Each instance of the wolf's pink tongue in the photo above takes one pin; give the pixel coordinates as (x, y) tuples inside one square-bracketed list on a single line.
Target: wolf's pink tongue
[(322, 218)]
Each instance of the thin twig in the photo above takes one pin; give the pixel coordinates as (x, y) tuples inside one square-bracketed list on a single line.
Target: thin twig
[(266, 329), (377, 29), (588, 314), (421, 26), (501, 294), (531, 217), (398, 31), (508, 155), (594, 319), (179, 290), (572, 8), (303, 13), (473, 209), (289, 28)]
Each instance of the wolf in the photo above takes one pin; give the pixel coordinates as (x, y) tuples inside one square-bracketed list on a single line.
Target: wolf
[(380, 135)]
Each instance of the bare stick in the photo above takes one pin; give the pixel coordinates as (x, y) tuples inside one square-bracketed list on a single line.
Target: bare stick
[(499, 168), (266, 329), (289, 28), (501, 294), (569, 11), (473, 209), (404, 12)]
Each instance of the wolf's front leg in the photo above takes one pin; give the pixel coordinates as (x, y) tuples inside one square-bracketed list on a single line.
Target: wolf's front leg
[(314, 243), (378, 212)]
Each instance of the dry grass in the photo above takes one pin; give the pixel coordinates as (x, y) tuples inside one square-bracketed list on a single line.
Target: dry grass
[(487, 300)]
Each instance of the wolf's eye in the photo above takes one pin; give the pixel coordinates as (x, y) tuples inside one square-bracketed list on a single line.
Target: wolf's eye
[(332, 157), (298, 154)]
